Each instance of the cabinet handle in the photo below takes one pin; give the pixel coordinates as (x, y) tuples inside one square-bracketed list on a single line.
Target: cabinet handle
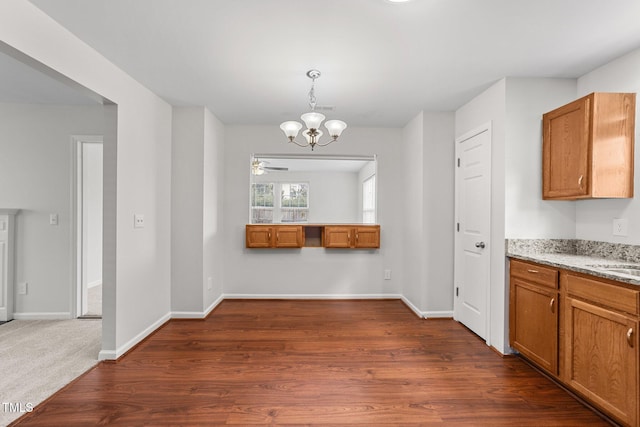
[(532, 271), (551, 305), (629, 337), (278, 237), (348, 236), (269, 235), (356, 237), (580, 181)]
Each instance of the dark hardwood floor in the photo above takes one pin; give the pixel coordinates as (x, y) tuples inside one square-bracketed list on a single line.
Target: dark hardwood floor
[(370, 362)]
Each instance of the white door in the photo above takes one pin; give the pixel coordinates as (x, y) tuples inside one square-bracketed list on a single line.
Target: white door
[(473, 225)]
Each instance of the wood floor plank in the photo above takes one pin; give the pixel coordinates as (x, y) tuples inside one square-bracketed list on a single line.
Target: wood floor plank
[(370, 362)]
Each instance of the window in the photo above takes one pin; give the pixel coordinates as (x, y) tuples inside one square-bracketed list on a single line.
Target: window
[(291, 206), (294, 202), (262, 203), (369, 200)]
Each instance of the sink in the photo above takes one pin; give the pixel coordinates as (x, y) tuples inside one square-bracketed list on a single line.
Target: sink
[(630, 270)]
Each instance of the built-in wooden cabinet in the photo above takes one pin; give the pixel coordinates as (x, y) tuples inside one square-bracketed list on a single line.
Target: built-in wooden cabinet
[(359, 236), (581, 329), (534, 300), (352, 236), (601, 357), (588, 148), (274, 236)]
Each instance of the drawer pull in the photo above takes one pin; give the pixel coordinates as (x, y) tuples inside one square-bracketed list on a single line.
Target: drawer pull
[(533, 271), (629, 337), (552, 305)]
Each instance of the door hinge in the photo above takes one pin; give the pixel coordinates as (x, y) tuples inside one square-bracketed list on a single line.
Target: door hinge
[(457, 290), (458, 161), (458, 227)]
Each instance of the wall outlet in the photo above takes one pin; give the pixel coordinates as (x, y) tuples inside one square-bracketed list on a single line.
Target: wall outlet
[(387, 274), (53, 219), (138, 221), (620, 227), (209, 283), (22, 288)]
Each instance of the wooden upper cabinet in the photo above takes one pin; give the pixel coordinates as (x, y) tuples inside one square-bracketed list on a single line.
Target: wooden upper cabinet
[(588, 148), (288, 236), (352, 236), (274, 236)]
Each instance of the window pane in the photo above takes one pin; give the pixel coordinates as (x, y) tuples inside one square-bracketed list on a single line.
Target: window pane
[(262, 195), (369, 200), (294, 195)]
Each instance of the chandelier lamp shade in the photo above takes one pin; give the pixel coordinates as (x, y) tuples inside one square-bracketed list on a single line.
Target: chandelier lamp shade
[(313, 120)]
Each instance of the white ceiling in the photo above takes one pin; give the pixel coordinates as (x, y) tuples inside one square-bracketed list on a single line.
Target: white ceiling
[(381, 62)]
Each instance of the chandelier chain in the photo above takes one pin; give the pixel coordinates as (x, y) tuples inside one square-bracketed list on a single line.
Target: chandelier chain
[(312, 95)]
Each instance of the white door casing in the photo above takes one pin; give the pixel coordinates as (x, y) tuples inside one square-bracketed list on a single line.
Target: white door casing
[(473, 226)]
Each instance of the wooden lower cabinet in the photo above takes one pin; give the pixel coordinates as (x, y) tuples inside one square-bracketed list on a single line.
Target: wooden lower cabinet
[(274, 236), (533, 327), (601, 357), (589, 343)]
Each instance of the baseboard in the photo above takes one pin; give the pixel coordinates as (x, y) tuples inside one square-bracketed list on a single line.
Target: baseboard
[(413, 308), (120, 351), (312, 296), (196, 314), (427, 314), (42, 316), (438, 314)]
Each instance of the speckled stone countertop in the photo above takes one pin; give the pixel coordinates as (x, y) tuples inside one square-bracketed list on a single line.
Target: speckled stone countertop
[(583, 256)]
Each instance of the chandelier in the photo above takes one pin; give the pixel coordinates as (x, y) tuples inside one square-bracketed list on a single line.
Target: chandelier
[(313, 120)]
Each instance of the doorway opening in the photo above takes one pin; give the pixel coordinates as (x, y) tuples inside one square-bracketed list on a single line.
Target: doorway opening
[(88, 155)]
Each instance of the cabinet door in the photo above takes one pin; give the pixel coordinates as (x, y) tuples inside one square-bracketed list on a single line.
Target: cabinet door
[(566, 151), (367, 236), (337, 236), (288, 236), (601, 358), (259, 236), (534, 323)]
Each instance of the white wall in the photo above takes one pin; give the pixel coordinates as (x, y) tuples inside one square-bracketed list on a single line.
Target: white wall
[(213, 211), (137, 174), (490, 106), (36, 169), (428, 150), (413, 233), (594, 217), (313, 272), (526, 214), (439, 219), (196, 212)]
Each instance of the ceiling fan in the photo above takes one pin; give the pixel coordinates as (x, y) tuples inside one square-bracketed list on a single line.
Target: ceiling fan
[(258, 167)]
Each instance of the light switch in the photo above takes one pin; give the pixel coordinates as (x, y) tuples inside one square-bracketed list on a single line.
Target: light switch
[(53, 219)]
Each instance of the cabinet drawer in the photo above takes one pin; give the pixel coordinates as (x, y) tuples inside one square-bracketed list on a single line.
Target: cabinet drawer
[(545, 276), (601, 293)]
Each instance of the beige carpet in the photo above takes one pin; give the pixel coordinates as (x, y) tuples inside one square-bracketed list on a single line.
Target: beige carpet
[(39, 357)]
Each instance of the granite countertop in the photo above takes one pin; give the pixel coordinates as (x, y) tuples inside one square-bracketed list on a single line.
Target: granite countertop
[(578, 255)]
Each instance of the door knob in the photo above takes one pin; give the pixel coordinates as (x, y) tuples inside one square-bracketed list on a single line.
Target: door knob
[(480, 245)]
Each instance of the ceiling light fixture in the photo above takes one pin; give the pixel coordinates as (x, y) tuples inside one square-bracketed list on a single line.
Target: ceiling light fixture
[(313, 120)]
